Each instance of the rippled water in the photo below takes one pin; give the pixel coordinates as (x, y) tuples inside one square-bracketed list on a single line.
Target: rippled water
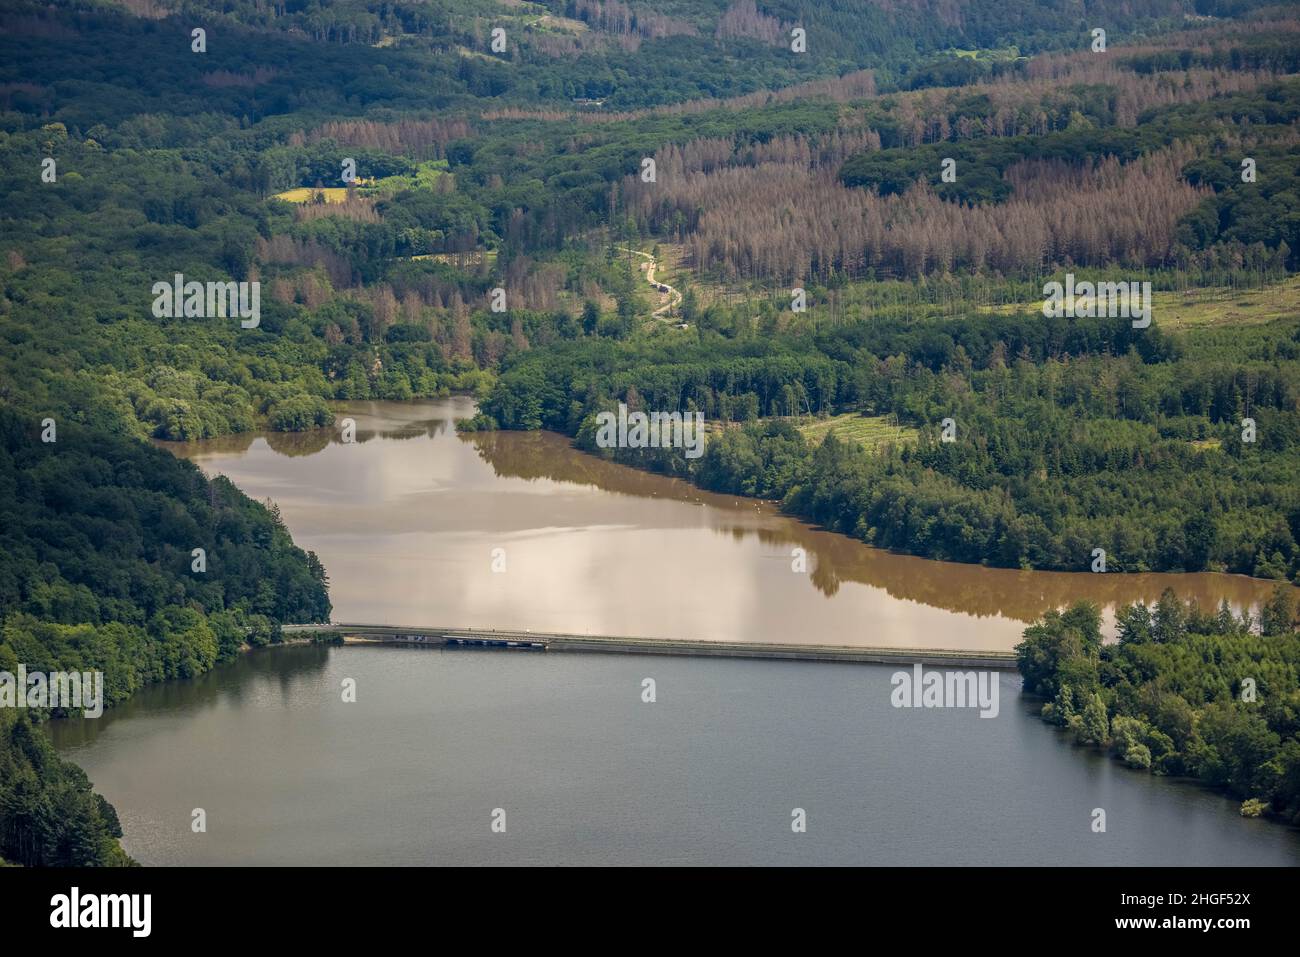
[(588, 773)]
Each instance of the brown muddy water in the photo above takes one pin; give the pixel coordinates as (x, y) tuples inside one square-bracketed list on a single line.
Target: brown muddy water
[(409, 520)]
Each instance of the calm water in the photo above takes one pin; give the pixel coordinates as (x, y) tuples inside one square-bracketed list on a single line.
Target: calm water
[(406, 521), (589, 774)]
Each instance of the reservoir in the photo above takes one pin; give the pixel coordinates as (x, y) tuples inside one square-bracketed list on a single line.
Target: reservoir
[(511, 530), (589, 773), (412, 522)]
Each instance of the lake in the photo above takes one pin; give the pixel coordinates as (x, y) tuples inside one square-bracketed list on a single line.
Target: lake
[(588, 773), (408, 519)]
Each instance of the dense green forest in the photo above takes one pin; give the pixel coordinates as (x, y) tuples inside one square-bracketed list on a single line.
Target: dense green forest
[(98, 573), (504, 169), (48, 813), (630, 55), (536, 203), (1071, 435), (1183, 692)]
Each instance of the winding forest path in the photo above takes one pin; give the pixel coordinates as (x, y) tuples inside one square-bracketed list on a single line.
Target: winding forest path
[(674, 297)]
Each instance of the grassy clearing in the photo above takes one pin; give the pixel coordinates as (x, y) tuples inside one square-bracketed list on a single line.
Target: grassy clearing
[(466, 51), (1004, 53), (550, 21), (1199, 308), (475, 257), (1208, 307), (425, 177), (869, 431), (333, 194), (1227, 307)]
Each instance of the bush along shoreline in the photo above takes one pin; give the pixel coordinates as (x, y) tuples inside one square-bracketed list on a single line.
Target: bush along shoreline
[(1183, 692)]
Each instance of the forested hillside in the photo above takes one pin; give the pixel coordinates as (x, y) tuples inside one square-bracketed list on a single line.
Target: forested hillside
[(1071, 439), (98, 574)]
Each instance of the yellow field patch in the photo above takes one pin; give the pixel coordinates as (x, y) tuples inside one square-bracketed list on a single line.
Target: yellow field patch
[(333, 194)]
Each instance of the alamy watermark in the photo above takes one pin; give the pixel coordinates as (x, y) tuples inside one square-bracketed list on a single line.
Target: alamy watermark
[(214, 300), (76, 910), (656, 430), (1087, 300), (945, 689), (69, 690)]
